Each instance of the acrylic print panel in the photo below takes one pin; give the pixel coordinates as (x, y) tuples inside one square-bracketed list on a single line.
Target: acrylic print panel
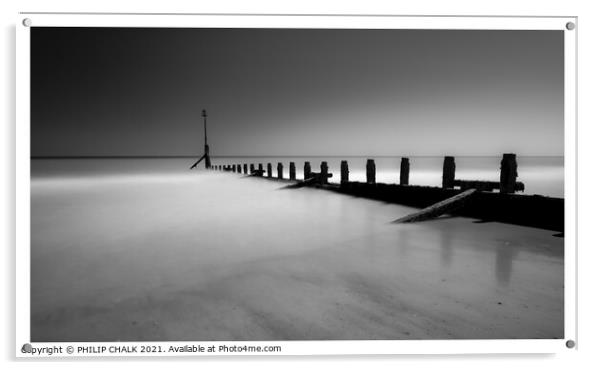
[(295, 185)]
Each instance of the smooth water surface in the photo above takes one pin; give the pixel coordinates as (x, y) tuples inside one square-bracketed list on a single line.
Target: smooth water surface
[(148, 250)]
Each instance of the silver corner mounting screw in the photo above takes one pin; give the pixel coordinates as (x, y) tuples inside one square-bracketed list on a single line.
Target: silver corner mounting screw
[(570, 343), (27, 22), (570, 26)]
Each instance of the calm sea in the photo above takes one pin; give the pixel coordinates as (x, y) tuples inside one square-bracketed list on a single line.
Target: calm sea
[(541, 175), (145, 249)]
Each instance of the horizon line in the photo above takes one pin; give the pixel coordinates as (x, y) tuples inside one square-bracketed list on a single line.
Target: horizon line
[(269, 156)]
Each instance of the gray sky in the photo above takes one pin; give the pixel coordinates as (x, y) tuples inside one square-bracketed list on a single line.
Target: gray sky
[(101, 91)]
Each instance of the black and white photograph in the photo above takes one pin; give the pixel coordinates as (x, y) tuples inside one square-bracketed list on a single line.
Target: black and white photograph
[(296, 184)]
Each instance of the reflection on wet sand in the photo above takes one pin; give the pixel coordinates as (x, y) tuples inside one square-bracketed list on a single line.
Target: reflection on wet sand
[(505, 254), (446, 247)]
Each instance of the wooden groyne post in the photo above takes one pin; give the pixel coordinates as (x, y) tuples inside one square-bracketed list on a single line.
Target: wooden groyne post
[(370, 171), (245, 169), (207, 156), (306, 171), (508, 173), (449, 172), (404, 171), (252, 167), (323, 173), (238, 168), (344, 172), (439, 208), (269, 170), (260, 168), (292, 171), (279, 168)]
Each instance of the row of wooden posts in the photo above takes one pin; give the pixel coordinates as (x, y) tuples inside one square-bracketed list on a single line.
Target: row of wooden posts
[(507, 184)]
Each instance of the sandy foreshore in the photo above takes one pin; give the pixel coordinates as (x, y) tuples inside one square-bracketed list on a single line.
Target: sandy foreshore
[(215, 256)]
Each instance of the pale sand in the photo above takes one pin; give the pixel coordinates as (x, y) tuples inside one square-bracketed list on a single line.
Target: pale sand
[(214, 256)]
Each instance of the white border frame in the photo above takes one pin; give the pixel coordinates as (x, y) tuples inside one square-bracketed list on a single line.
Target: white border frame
[(301, 21)]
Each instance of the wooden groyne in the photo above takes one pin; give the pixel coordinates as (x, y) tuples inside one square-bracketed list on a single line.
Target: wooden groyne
[(479, 201), (446, 206)]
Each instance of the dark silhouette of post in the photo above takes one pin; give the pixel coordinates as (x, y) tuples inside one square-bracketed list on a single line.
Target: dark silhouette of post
[(404, 171), (269, 170), (449, 172), (279, 168), (370, 171), (306, 171), (245, 168), (207, 157), (238, 168), (292, 171), (344, 172), (252, 168), (508, 173), (220, 167), (260, 168), (323, 173)]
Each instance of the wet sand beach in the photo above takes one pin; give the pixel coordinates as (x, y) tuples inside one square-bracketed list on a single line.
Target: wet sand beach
[(200, 255)]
